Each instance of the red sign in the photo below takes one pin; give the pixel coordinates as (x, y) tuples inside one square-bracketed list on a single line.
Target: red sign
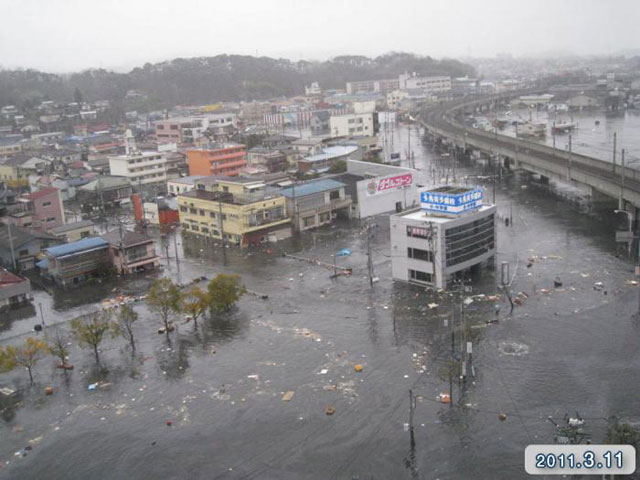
[(395, 182)]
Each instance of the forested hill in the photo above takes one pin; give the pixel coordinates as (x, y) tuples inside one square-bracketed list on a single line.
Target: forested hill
[(223, 77)]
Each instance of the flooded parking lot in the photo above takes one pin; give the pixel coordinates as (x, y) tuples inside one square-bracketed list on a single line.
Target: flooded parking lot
[(226, 387)]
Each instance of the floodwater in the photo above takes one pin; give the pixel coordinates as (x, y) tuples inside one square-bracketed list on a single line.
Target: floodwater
[(593, 135), (567, 349)]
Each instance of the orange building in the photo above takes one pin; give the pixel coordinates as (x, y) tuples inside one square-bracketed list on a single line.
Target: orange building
[(225, 160)]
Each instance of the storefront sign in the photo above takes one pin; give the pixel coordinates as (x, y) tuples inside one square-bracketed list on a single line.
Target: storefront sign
[(389, 183), (451, 203)]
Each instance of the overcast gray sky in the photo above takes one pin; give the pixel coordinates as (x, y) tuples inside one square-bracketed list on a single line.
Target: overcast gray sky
[(69, 35)]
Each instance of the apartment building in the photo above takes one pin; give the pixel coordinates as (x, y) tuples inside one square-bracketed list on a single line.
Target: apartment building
[(141, 168), (188, 130), (223, 159), (238, 211), (354, 124), (436, 84)]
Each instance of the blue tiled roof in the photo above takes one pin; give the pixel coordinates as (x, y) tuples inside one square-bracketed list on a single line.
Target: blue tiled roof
[(79, 246), (311, 188)]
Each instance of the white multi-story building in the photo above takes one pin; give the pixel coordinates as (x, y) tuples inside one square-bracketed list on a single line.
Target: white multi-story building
[(354, 124), (438, 84), (452, 232), (141, 168)]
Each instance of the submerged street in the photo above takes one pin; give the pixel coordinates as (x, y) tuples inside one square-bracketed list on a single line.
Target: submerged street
[(564, 349)]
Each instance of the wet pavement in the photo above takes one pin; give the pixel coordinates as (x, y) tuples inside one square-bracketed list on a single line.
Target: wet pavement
[(564, 349)]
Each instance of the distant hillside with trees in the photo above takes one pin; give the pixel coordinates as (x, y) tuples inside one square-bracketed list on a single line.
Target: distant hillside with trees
[(220, 78)]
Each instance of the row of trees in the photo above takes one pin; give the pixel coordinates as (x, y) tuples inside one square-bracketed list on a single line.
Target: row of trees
[(165, 298)]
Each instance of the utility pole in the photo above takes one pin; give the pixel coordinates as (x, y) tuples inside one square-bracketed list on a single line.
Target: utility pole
[(13, 254), (412, 407), (504, 280), (493, 163), (570, 154), (621, 203), (369, 257), (175, 246), (615, 141), (553, 135)]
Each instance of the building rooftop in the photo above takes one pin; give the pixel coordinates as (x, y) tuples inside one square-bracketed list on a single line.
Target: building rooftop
[(311, 188), (419, 214), (7, 279), (21, 236), (190, 180), (41, 193), (106, 183), (76, 247), (328, 153), (128, 238), (71, 226)]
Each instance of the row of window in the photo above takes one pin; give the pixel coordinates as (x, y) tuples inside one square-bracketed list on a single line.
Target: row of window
[(419, 254), (418, 276)]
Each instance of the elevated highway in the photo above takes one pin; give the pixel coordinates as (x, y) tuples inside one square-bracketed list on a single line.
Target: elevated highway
[(596, 176)]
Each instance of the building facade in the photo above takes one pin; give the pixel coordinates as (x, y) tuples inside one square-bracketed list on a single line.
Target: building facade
[(239, 211), (131, 252), (73, 263), (227, 160), (354, 124), (141, 168), (451, 233), (314, 204), (435, 84), (14, 290), (72, 232)]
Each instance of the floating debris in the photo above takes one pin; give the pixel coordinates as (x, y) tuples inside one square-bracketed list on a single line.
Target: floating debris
[(288, 396)]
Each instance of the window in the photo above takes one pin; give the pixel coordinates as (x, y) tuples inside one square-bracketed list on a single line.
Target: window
[(84, 234), (160, 127), (51, 219), (46, 204), (23, 253), (195, 227), (183, 209), (334, 195), (202, 212), (193, 210), (419, 276), (418, 254), (212, 214), (308, 221)]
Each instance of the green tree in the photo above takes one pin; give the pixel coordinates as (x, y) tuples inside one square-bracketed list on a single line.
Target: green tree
[(7, 362), (126, 318), (224, 291), (91, 331), (27, 355), (164, 299), (338, 167), (58, 346), (195, 302)]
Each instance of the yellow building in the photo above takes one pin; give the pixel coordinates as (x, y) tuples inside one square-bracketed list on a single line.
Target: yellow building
[(241, 209), (13, 174)]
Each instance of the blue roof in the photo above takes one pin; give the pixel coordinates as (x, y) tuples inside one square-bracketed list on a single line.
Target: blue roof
[(311, 188), (75, 247)]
